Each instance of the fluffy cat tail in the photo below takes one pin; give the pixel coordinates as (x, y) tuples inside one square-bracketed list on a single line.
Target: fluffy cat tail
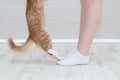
[(20, 48)]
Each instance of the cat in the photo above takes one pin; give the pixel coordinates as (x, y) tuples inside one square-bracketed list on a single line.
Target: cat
[(35, 18)]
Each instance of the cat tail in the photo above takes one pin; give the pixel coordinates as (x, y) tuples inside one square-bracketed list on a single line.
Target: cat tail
[(21, 48)]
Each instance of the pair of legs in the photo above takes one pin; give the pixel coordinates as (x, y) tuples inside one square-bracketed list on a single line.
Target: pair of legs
[(91, 11)]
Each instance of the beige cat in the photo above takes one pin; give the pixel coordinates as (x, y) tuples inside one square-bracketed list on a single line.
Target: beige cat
[(36, 20)]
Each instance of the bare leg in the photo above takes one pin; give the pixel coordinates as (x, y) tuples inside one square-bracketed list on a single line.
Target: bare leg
[(90, 19), (91, 11)]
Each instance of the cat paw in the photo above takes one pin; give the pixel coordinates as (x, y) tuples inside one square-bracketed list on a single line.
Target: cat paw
[(54, 53)]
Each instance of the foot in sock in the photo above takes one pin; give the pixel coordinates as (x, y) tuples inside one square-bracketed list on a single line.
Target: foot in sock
[(69, 54), (76, 58)]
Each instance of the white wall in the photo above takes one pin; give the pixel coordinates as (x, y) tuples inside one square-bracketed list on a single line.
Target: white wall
[(62, 19)]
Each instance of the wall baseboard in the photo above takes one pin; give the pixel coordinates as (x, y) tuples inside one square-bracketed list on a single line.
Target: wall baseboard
[(68, 40)]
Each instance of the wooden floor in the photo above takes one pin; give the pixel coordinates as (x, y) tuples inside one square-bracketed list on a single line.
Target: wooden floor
[(35, 64)]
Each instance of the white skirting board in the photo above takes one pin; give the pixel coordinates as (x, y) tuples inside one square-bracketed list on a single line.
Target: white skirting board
[(68, 40)]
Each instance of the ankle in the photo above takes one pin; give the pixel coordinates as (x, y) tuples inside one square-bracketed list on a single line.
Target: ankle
[(82, 52)]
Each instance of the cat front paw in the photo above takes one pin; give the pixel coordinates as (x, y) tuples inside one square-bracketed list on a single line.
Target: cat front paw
[(54, 53)]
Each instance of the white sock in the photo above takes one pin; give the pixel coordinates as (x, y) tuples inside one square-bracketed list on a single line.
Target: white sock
[(76, 58), (54, 53), (68, 54)]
